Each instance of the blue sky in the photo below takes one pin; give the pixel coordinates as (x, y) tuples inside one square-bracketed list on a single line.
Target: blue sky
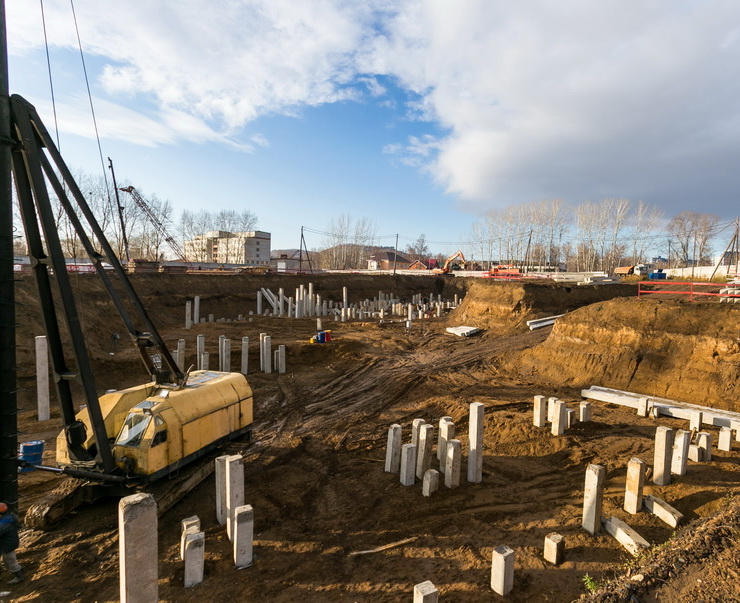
[(418, 115)]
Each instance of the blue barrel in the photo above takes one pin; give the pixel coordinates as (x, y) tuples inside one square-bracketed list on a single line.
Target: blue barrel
[(31, 452), (321, 337)]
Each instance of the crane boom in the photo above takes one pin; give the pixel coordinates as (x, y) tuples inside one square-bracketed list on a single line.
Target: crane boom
[(156, 222)]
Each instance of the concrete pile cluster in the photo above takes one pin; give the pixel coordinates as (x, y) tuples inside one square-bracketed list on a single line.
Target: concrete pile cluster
[(673, 448), (307, 304), (269, 360), (137, 527)]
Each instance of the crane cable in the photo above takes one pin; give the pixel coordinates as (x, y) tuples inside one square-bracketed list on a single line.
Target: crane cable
[(92, 108), (51, 80)]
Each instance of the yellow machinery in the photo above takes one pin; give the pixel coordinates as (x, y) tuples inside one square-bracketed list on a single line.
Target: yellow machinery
[(158, 430)]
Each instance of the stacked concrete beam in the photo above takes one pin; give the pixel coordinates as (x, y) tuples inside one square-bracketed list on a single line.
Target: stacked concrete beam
[(475, 434), (593, 495), (42, 378), (137, 541), (634, 486)]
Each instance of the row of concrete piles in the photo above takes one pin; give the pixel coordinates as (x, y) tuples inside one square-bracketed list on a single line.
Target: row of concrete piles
[(270, 360), (138, 538), (307, 304)]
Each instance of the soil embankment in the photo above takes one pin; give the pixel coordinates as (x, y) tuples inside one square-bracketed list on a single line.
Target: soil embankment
[(679, 350), (496, 304)]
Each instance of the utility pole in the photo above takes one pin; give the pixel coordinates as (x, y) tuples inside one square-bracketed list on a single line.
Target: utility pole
[(8, 396), (395, 254), (300, 253)]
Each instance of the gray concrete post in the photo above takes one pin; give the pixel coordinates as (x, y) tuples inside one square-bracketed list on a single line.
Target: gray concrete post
[(234, 490), (424, 450), (408, 464), (695, 420), (426, 592), (281, 301), (643, 407), (704, 442), (551, 409), (440, 437), (680, 452), (42, 378), (204, 364), (559, 419), (415, 427), (268, 353), (194, 556), (196, 309), (663, 455), (221, 352), (222, 513), (137, 543), (259, 303), (243, 536), (345, 298), (475, 434), (584, 412), (200, 347), (593, 494), (634, 486), (181, 354), (502, 570), (725, 439), (430, 482), (188, 316), (539, 418), (227, 355), (281, 359), (189, 525), (245, 356), (447, 433), (554, 548), (452, 468), (393, 449), (570, 418)]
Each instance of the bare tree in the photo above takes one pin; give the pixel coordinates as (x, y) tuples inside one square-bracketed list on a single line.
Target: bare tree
[(691, 234), (419, 248)]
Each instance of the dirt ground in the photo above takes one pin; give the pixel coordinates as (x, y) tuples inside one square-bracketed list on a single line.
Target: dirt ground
[(314, 473)]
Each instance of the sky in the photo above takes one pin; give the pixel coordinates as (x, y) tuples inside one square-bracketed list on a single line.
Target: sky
[(420, 115)]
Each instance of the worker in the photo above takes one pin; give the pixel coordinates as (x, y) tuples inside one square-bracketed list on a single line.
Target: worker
[(9, 542)]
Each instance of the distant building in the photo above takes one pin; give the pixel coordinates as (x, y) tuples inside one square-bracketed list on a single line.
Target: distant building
[(224, 247), (286, 260), (386, 260)]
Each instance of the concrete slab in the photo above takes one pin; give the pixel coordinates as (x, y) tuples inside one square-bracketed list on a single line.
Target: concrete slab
[(625, 535), (662, 510)]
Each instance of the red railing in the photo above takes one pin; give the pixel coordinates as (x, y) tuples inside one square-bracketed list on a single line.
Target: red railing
[(728, 293)]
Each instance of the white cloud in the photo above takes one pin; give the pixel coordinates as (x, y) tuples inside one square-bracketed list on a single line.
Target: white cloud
[(539, 98)]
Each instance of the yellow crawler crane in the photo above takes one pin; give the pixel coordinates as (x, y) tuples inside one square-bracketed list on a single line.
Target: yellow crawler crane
[(159, 430), (126, 438)]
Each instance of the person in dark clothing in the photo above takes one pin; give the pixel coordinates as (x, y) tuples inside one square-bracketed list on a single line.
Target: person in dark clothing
[(9, 541)]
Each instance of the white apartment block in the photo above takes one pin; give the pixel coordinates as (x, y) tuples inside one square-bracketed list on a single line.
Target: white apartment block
[(223, 247)]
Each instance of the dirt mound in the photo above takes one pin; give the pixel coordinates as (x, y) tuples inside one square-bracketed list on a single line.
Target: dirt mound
[(681, 350), (496, 304)]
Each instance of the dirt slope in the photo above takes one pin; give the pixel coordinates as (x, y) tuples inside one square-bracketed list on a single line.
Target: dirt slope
[(681, 350), (498, 304)]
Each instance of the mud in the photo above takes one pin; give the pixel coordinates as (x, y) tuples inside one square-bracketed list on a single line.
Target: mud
[(315, 478)]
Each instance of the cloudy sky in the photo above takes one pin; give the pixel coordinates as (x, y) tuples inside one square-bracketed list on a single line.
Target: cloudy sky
[(421, 115)]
